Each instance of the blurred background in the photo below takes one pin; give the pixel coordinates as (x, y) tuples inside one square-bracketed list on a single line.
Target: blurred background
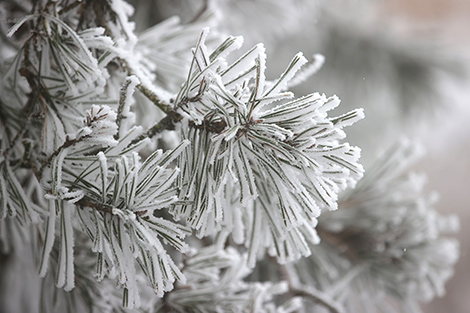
[(447, 163)]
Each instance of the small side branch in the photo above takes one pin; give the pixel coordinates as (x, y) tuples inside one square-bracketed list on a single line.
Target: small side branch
[(85, 201), (165, 107), (68, 142), (122, 103), (211, 126), (166, 123)]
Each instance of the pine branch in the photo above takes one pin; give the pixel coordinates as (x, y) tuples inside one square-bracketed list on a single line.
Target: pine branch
[(166, 123), (155, 99), (91, 203), (15, 139), (123, 94), (68, 143), (252, 169), (173, 117)]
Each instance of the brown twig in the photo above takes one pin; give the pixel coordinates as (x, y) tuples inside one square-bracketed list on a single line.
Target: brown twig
[(102, 207), (155, 99), (68, 142)]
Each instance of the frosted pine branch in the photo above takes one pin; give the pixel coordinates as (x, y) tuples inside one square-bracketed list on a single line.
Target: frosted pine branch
[(284, 155), (165, 171)]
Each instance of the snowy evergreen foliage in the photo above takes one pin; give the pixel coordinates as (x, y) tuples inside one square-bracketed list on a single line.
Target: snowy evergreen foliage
[(223, 201)]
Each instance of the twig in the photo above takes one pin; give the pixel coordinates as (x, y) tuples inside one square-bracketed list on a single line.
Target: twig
[(122, 103), (155, 99), (167, 123), (68, 142), (102, 207), (13, 142), (210, 126)]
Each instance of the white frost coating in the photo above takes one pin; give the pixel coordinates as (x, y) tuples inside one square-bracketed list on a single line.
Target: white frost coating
[(73, 196), (169, 229), (281, 84), (127, 117), (119, 262), (201, 58), (53, 133), (349, 118), (133, 181), (104, 174), (123, 11), (171, 156), (309, 231), (291, 154), (124, 142), (290, 209), (92, 32), (203, 55), (18, 24), (230, 133), (99, 127), (260, 78), (235, 44), (308, 71), (330, 104), (92, 222), (49, 238), (292, 305), (150, 238), (246, 179), (81, 71), (65, 276), (244, 63), (133, 300), (57, 173)]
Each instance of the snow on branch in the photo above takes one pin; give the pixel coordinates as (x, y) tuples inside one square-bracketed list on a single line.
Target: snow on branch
[(283, 155), (117, 196), (216, 200), (216, 283)]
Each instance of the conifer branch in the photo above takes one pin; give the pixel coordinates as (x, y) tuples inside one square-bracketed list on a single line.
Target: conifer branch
[(101, 207), (166, 108), (68, 143), (252, 174)]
